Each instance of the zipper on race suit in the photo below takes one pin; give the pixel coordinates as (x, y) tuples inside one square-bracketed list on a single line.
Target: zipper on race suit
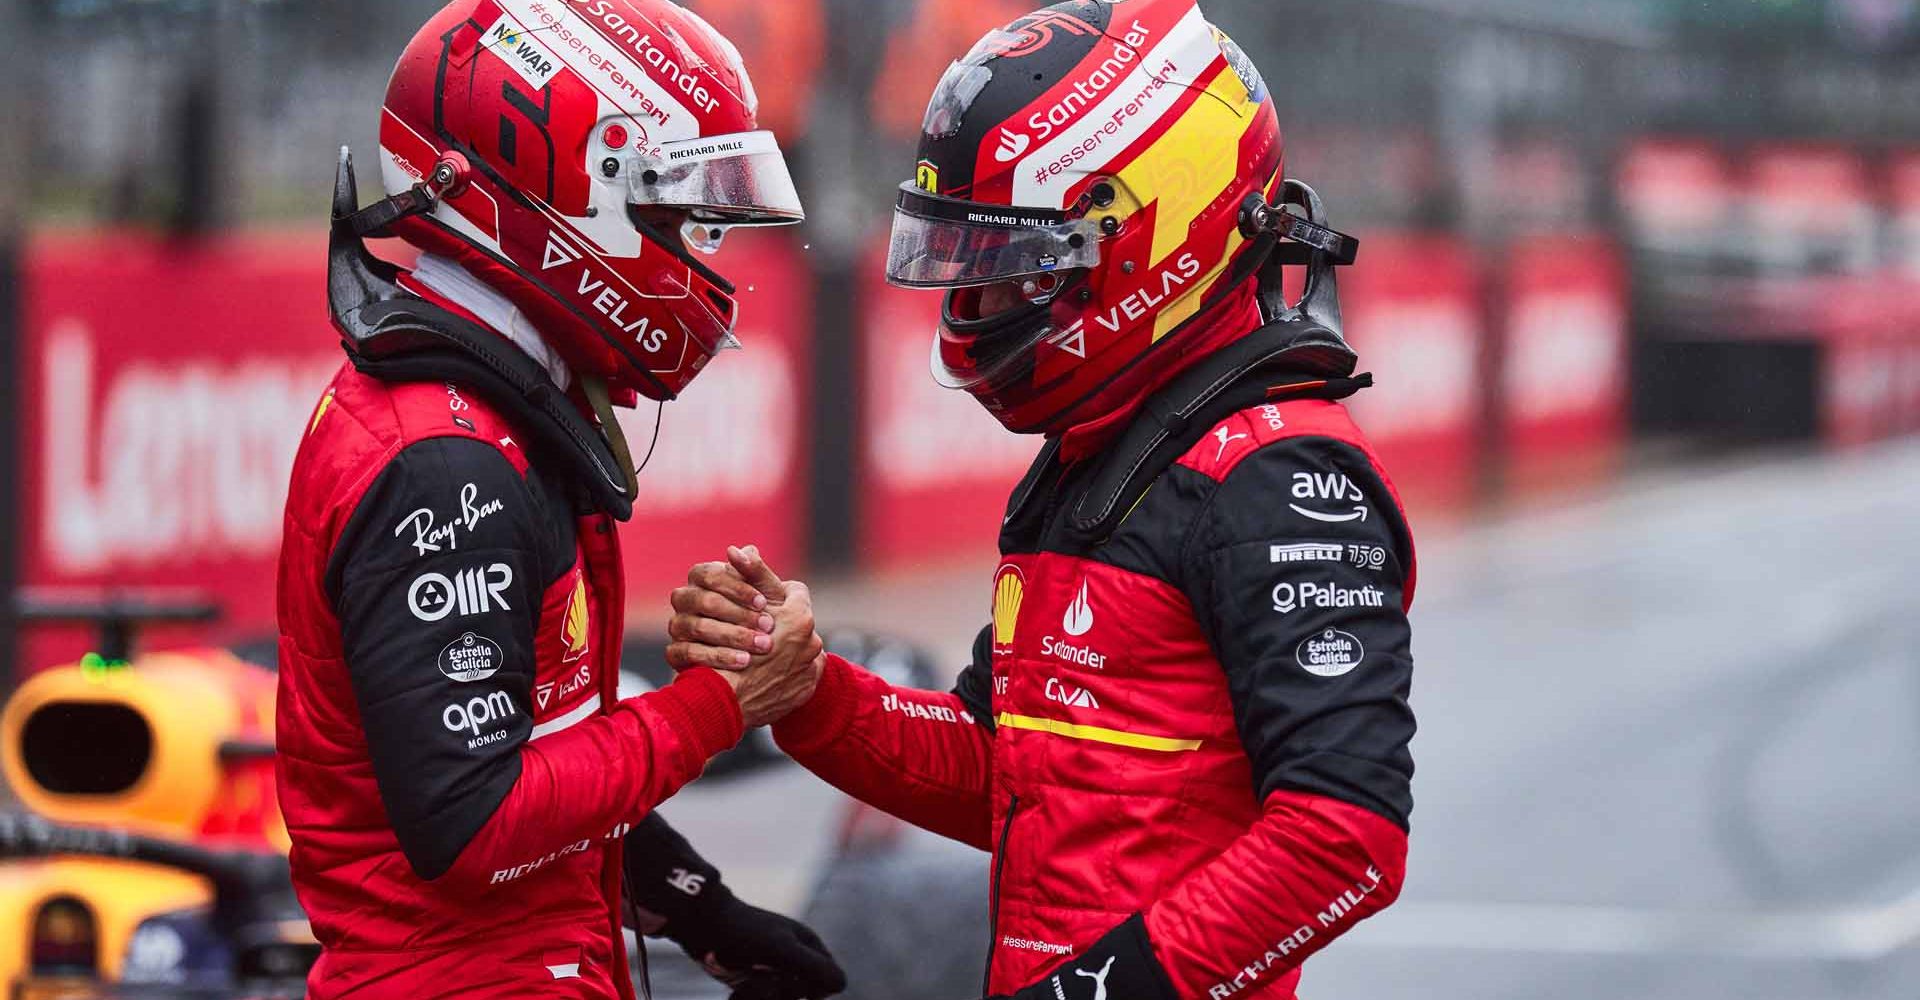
[(993, 896)]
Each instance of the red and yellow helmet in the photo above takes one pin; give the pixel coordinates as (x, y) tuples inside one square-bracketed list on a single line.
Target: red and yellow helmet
[(592, 143), (1100, 156)]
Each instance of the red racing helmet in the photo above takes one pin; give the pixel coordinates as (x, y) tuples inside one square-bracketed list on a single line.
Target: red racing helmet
[(1104, 159), (572, 153)]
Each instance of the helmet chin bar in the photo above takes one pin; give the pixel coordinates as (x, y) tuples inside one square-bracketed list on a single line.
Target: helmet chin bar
[(1306, 241)]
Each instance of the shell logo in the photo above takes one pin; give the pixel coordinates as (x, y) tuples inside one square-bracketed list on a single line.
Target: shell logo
[(573, 629), (1009, 586)]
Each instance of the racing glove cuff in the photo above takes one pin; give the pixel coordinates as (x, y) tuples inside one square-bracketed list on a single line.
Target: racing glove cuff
[(701, 709), (1121, 965), (826, 716)]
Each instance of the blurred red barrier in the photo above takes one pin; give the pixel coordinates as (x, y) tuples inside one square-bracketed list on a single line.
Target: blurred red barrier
[(1811, 207), (1412, 309), (1904, 175), (1565, 369), (935, 469), (731, 464), (1869, 382), (165, 386), (1677, 193)]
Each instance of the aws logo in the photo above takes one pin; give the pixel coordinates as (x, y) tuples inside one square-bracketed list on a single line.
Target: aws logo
[(574, 627), (1009, 589)]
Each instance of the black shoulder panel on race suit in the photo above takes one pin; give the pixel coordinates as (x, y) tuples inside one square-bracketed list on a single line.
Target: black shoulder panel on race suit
[(1306, 616), (437, 581)]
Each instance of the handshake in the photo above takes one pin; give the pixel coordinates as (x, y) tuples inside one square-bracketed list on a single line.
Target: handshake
[(740, 618)]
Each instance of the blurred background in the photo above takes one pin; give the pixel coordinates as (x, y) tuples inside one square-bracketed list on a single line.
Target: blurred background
[(1637, 283)]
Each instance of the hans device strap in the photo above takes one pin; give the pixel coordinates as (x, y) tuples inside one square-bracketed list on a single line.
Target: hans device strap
[(1294, 359)]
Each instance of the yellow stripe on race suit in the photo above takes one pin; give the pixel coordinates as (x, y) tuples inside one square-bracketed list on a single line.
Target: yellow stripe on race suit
[(1096, 734)]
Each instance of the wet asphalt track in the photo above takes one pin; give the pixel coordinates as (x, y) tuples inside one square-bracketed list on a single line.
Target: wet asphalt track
[(1668, 751)]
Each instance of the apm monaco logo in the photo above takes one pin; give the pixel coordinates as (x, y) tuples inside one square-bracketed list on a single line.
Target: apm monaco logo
[(1009, 588)]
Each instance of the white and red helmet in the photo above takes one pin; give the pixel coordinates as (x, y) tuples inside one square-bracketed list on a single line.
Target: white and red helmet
[(1110, 158), (575, 129)]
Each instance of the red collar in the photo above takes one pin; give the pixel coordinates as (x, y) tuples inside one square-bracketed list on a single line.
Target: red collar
[(1228, 321)]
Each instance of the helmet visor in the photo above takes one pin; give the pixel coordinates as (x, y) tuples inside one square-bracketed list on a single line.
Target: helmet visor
[(941, 242), (736, 180)]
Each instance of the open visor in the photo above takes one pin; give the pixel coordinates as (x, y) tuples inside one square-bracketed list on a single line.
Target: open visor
[(941, 242), (734, 180)]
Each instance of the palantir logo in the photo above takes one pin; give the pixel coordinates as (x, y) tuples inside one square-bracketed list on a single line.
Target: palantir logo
[(1078, 620), (1012, 144)]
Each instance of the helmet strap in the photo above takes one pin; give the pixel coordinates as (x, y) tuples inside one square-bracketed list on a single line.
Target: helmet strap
[(449, 177), (595, 389)]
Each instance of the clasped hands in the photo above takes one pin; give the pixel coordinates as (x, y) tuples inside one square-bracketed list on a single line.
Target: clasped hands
[(739, 617)]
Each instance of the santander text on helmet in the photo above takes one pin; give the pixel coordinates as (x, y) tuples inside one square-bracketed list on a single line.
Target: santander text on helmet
[(1111, 70), (641, 37)]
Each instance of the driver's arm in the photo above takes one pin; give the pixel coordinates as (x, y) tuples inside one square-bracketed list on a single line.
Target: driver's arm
[(923, 756), (476, 793)]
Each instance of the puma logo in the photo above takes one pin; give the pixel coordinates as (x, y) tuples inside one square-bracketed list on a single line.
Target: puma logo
[(1099, 979), (1226, 437)]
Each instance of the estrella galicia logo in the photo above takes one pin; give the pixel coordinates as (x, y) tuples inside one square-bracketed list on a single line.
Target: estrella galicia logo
[(1329, 653), (471, 658)]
